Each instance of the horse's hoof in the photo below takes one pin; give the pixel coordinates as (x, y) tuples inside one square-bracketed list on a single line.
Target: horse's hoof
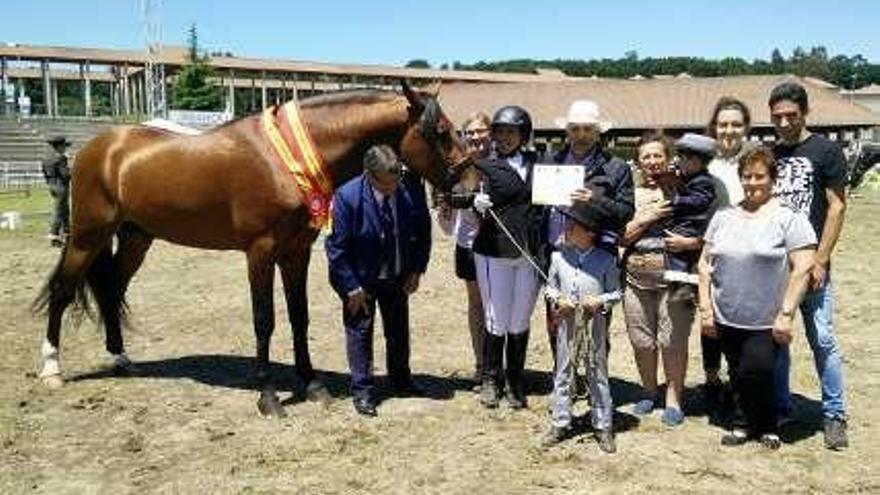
[(52, 381), (269, 406), (317, 392)]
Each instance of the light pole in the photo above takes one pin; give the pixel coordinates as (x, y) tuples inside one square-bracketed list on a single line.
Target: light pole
[(154, 69)]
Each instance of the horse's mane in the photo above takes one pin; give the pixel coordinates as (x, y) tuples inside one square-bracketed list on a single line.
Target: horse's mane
[(343, 97), (348, 97)]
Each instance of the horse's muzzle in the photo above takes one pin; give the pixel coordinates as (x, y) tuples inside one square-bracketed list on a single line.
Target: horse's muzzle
[(452, 175)]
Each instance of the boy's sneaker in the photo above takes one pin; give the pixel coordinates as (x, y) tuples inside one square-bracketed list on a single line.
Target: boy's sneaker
[(835, 434), (555, 435), (489, 394), (606, 441)]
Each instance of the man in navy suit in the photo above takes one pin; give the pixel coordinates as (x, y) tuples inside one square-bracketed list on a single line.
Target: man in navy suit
[(377, 251)]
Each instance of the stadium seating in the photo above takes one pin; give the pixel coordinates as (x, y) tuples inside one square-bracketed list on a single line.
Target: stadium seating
[(25, 140)]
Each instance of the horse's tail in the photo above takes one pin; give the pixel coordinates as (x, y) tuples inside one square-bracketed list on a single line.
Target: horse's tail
[(103, 280), (58, 288)]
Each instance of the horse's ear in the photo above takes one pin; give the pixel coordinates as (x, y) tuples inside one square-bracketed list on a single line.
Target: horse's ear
[(415, 100)]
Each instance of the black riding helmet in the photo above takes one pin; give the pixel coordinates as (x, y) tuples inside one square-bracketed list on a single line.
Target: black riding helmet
[(515, 116)]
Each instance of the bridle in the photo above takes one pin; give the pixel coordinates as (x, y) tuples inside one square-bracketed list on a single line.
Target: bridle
[(429, 127)]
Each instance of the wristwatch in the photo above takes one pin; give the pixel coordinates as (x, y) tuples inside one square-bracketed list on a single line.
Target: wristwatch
[(787, 312)]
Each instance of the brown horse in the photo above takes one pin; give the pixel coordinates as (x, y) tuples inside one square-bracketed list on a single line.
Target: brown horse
[(226, 189)]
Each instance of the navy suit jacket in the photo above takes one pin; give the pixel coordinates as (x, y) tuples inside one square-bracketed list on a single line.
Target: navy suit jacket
[(354, 244)]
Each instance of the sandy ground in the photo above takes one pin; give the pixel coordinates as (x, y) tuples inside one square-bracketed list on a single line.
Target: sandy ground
[(187, 421)]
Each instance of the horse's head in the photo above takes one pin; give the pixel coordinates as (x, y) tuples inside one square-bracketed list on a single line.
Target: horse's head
[(430, 145)]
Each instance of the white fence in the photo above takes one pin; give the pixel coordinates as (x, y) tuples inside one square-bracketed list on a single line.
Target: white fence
[(20, 175)]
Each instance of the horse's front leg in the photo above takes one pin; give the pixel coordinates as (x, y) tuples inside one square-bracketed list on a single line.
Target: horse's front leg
[(294, 274), (261, 271)]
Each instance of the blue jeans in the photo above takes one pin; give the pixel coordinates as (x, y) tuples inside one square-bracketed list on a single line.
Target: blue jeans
[(817, 311)]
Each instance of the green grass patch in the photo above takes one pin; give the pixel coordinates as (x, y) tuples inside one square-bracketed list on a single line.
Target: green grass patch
[(34, 208)]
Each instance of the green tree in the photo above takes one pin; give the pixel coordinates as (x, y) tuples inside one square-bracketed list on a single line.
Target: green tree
[(844, 71), (777, 62), (192, 89), (418, 63)]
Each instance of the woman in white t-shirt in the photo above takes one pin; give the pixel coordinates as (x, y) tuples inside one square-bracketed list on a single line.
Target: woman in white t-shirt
[(729, 126), (754, 271), (463, 224)]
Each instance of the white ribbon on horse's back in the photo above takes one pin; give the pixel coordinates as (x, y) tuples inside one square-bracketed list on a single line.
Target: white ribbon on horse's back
[(174, 127)]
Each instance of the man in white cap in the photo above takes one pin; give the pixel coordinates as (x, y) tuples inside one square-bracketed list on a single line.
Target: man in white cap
[(608, 183)]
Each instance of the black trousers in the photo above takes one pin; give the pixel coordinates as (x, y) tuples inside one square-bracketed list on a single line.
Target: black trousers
[(711, 351), (394, 305), (61, 211), (751, 356)]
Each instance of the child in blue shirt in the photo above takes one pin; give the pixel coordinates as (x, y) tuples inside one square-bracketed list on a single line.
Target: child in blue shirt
[(584, 282)]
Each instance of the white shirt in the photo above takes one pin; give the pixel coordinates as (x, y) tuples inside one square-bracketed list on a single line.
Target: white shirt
[(516, 162)]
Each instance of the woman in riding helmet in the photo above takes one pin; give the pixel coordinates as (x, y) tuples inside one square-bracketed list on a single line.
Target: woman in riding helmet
[(510, 232)]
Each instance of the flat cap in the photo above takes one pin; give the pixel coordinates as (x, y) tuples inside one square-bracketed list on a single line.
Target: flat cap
[(696, 143)]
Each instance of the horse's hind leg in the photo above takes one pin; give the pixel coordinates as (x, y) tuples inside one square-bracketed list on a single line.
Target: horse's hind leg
[(294, 274), (65, 285), (109, 276)]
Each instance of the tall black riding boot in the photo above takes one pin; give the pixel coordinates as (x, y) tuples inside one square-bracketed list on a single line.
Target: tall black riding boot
[(493, 357), (516, 361)]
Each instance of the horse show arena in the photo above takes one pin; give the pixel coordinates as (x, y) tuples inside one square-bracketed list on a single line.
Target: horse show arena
[(186, 421)]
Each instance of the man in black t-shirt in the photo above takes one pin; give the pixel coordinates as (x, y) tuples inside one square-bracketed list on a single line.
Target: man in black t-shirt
[(812, 179)]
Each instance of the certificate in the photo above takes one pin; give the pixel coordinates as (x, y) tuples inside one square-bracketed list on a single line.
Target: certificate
[(553, 184)]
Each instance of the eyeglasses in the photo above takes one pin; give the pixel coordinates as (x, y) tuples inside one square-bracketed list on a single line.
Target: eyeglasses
[(480, 131)]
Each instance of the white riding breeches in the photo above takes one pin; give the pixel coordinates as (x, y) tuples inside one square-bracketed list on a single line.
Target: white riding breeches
[(508, 288)]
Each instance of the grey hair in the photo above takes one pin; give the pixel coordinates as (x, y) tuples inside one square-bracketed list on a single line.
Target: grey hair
[(382, 158)]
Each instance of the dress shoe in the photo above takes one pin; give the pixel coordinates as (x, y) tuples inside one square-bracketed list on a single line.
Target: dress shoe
[(365, 406)]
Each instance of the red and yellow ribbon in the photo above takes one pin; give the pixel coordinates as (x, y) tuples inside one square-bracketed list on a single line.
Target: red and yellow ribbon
[(294, 146)]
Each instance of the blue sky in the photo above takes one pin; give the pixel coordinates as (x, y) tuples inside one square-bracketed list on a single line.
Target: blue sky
[(388, 32)]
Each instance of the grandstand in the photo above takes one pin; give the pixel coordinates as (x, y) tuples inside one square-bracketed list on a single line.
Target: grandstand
[(24, 140), (23, 145)]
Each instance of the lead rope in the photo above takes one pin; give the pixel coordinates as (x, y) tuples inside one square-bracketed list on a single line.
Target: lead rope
[(522, 251), (581, 343)]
